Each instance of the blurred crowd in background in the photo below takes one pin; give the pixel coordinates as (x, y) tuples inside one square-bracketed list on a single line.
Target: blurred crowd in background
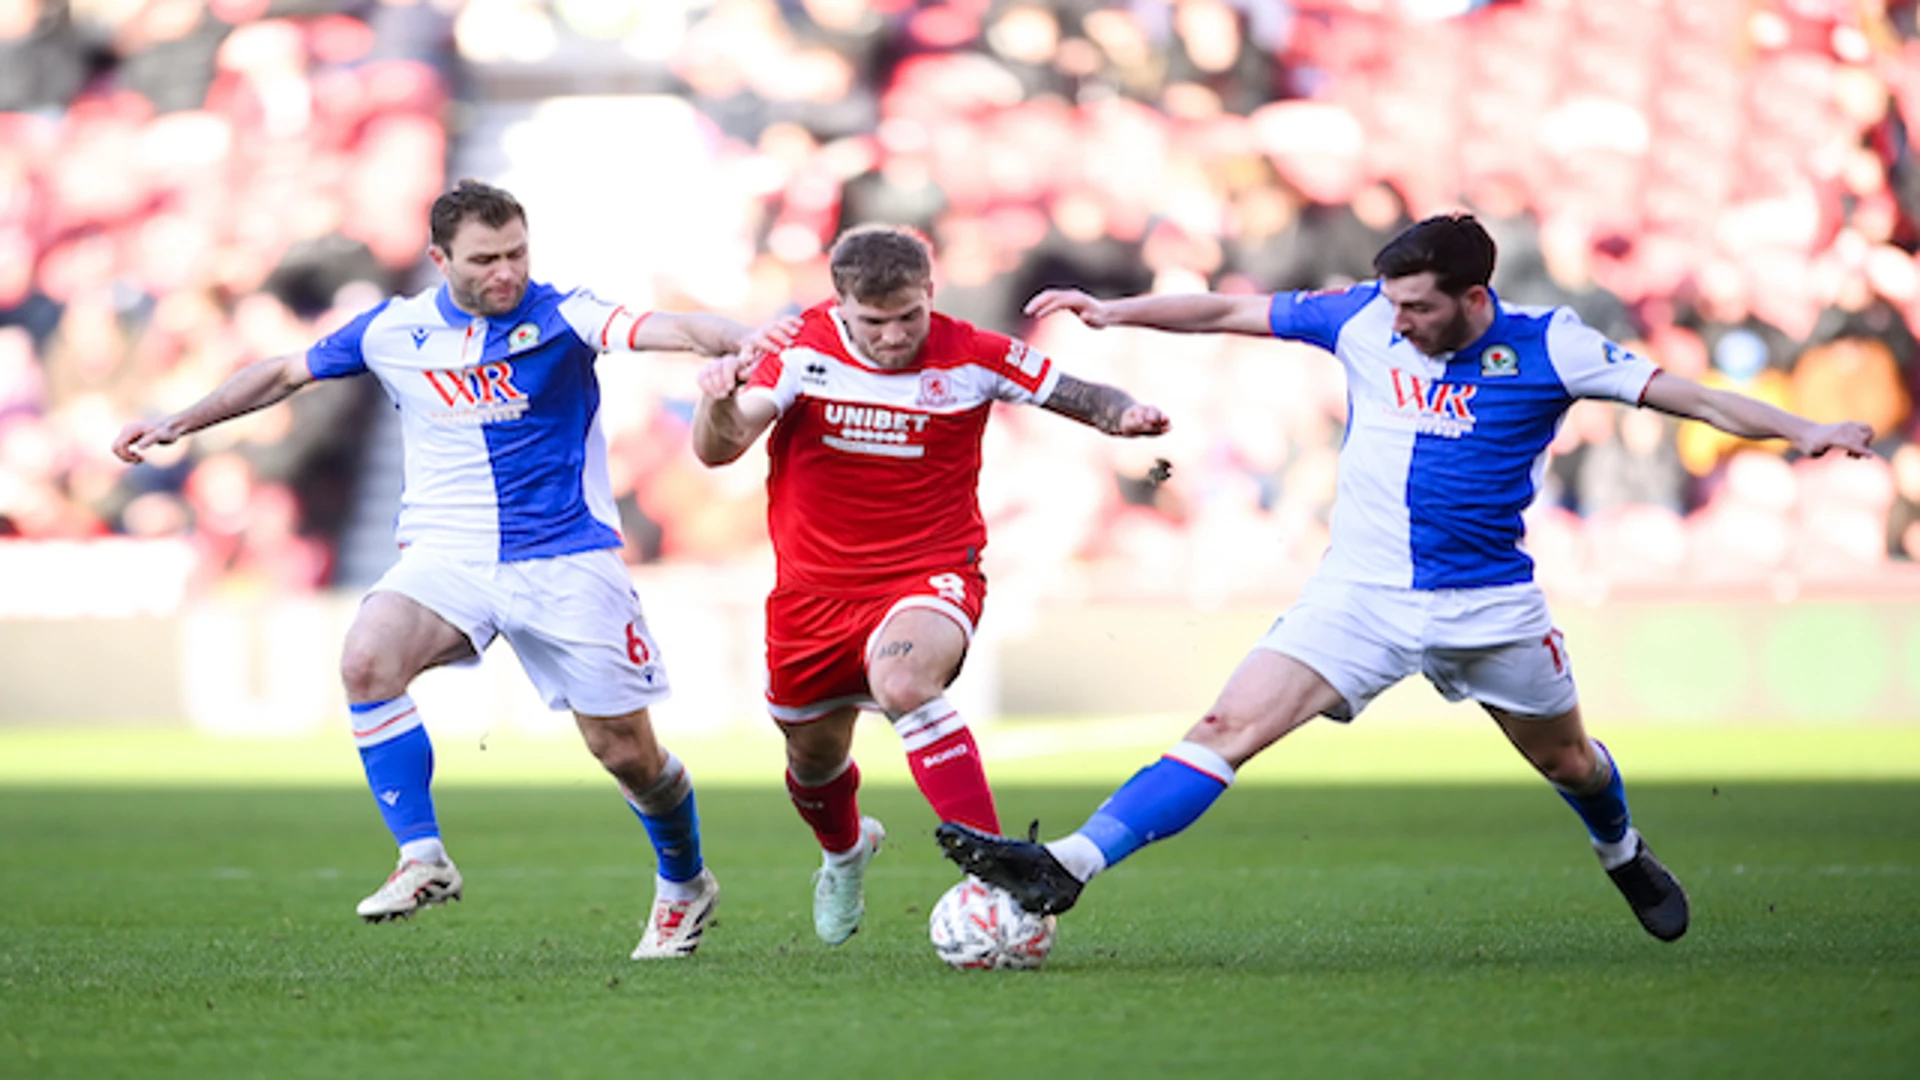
[(1727, 186)]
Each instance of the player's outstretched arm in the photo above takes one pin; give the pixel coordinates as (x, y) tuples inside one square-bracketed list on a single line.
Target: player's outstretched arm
[(724, 424), (1108, 408), (255, 386), (1202, 313), (712, 335), (1737, 414)]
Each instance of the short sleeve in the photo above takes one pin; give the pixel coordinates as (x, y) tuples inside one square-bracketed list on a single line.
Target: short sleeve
[(772, 377), (1023, 375), (1317, 317), (339, 354), (1590, 366), (604, 326)]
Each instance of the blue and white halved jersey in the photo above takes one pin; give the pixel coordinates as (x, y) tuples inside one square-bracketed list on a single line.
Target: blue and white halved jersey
[(500, 417), (1444, 453)]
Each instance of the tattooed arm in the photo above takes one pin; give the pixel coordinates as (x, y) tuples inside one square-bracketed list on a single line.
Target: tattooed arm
[(1108, 408)]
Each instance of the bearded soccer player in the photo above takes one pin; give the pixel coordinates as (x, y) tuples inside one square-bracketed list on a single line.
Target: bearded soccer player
[(1454, 398), (507, 528), (877, 409)]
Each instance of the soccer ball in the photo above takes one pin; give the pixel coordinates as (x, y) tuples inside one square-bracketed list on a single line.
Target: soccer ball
[(978, 926)]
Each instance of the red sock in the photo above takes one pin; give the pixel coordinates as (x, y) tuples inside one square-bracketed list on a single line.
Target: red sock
[(833, 808), (953, 779)]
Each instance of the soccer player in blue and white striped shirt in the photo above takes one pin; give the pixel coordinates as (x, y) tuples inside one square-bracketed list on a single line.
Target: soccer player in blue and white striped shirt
[(1453, 398)]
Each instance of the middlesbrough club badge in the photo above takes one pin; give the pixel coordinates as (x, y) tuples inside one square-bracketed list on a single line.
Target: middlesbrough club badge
[(936, 389)]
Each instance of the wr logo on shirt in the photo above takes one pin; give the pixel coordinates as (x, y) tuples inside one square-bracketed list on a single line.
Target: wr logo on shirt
[(481, 394), (1437, 408)]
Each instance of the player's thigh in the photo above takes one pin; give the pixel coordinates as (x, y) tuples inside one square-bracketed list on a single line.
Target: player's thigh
[(1531, 677), (1357, 639), (395, 637), (815, 658), (1268, 695), (917, 650), (581, 635)]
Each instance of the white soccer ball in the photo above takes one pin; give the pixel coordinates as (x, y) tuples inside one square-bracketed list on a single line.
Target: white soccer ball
[(977, 926)]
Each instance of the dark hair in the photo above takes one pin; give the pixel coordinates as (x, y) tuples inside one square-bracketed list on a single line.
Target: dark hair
[(873, 262), (470, 199), (1454, 247)]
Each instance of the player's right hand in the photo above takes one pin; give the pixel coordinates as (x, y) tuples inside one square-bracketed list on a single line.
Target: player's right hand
[(1851, 437), (1089, 310), (723, 376), (772, 337), (142, 434)]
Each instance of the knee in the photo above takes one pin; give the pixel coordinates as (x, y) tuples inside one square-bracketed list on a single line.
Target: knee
[(812, 764), (813, 761), (369, 674), (1230, 734), (635, 761), (899, 691), (1569, 765)]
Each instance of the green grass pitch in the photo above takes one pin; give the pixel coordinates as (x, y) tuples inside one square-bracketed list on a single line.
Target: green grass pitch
[(196, 924)]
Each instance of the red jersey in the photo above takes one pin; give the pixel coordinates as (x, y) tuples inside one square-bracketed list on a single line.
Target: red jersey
[(875, 473)]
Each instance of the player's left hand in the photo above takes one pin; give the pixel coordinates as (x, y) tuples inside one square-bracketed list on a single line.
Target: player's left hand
[(1850, 436), (1141, 420), (772, 337)]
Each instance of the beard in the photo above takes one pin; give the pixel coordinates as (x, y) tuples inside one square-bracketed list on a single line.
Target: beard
[(476, 300), (1456, 333)]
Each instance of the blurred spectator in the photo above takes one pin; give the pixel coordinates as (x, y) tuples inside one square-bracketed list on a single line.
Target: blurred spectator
[(42, 61), (186, 185), (1639, 466), (1739, 363), (1903, 518)]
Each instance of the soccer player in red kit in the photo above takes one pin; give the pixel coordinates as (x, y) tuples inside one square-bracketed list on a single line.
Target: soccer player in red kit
[(877, 409)]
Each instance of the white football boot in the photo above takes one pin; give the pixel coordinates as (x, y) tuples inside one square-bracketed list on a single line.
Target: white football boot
[(839, 888), (412, 886), (676, 925)]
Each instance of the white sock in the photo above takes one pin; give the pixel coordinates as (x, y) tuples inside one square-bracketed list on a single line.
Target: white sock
[(675, 890), (1081, 856), (851, 855), (1619, 853), (427, 849)]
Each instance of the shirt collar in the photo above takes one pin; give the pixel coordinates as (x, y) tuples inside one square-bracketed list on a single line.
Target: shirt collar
[(443, 300), (1494, 331)]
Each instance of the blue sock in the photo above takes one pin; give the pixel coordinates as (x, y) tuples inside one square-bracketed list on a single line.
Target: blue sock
[(1158, 801), (1604, 811), (672, 820), (399, 766)]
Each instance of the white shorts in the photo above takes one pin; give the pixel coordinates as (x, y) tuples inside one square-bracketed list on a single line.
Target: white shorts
[(1495, 645), (573, 620)]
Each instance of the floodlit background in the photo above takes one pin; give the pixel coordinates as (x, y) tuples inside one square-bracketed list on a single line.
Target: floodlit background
[(1728, 186)]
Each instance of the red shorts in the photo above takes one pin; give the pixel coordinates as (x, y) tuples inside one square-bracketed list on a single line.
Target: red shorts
[(817, 645)]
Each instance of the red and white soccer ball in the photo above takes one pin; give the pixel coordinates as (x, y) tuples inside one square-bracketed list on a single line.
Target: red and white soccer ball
[(976, 926)]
